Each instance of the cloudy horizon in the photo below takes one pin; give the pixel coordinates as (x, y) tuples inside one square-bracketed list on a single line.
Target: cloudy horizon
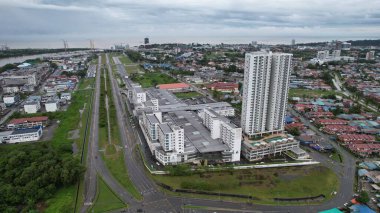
[(27, 23)]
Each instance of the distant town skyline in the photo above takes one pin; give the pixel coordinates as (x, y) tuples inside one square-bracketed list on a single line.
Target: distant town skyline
[(32, 23)]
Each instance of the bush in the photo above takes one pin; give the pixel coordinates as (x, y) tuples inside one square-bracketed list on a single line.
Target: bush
[(179, 170), (363, 197)]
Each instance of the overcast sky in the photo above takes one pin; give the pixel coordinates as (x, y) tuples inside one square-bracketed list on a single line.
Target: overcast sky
[(184, 20)]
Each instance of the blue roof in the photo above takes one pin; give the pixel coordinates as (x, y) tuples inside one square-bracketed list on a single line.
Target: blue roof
[(362, 172), (360, 208), (368, 165), (24, 131), (288, 119)]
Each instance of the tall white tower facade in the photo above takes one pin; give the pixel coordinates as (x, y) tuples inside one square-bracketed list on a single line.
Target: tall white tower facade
[(265, 92)]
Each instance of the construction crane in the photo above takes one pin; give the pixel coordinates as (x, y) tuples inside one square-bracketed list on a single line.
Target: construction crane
[(92, 45), (65, 45)]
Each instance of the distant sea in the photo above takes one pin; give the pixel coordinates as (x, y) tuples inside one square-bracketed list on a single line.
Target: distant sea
[(134, 41)]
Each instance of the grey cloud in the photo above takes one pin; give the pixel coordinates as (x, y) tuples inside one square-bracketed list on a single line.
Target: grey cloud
[(115, 18)]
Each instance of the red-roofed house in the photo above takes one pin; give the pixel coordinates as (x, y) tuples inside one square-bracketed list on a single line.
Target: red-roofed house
[(356, 138), (175, 87), (339, 129), (331, 121), (299, 126), (319, 114), (364, 149), (226, 87), (28, 122)]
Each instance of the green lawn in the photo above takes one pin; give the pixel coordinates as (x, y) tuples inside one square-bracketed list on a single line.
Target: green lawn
[(106, 200), (186, 95), (152, 79), (311, 93), (265, 184)]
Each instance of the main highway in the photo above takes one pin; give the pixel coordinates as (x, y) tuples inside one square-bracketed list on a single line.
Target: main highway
[(153, 199)]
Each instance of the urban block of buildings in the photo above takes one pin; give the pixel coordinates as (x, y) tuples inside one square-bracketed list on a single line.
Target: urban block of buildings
[(178, 132)]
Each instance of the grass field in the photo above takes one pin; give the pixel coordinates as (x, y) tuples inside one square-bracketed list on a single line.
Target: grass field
[(130, 67), (310, 93), (106, 200), (152, 79), (264, 184), (186, 95), (64, 199)]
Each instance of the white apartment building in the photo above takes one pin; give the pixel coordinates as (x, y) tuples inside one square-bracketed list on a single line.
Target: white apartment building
[(370, 55), (322, 55), (222, 128), (265, 92), (151, 124), (335, 53), (171, 138)]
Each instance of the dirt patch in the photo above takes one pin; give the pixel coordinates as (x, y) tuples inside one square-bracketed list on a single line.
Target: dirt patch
[(74, 134)]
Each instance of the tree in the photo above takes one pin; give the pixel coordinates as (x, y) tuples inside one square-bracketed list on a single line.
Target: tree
[(356, 109), (363, 197), (338, 110), (7, 67), (33, 173), (294, 131)]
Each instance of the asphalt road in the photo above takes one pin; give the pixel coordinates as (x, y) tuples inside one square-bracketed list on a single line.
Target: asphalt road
[(156, 201), (90, 181)]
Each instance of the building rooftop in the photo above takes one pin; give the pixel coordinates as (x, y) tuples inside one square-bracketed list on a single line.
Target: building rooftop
[(165, 128), (24, 131), (173, 86), (196, 134), (31, 119), (272, 139)]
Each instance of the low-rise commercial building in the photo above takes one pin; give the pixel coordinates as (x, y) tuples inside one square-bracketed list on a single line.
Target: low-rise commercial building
[(9, 100), (255, 150), (225, 87), (66, 96), (24, 135), (175, 87), (51, 106), (32, 107)]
